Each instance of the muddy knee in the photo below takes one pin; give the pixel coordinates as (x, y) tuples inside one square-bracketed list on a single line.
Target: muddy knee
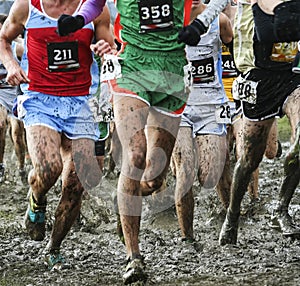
[(137, 158), (154, 184)]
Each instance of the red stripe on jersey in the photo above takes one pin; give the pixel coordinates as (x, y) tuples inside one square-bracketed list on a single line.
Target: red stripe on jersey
[(187, 12), (37, 4), (117, 29)]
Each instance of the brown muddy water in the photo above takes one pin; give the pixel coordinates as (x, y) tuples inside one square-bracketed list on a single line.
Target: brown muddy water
[(95, 256)]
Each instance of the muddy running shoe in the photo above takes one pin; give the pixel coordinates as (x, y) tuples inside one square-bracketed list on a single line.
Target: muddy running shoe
[(2, 173), (229, 231), (135, 271), (35, 219), (188, 240), (54, 260), (284, 222)]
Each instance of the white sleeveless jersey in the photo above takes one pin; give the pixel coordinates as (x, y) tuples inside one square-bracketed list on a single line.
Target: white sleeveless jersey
[(206, 60)]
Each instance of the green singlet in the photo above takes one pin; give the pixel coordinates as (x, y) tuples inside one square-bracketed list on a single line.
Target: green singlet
[(153, 61)]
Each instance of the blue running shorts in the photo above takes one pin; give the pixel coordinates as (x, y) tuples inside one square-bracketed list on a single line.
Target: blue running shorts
[(69, 115)]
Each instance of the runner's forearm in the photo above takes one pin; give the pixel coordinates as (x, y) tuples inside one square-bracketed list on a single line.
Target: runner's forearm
[(212, 10), (91, 9)]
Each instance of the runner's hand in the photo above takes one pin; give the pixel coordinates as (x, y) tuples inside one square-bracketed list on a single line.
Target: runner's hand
[(15, 74), (101, 47)]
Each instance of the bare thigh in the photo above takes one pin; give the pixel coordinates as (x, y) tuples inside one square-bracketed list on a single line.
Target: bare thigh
[(255, 136), (44, 150), (211, 154), (292, 110), (161, 136), (272, 143), (130, 120)]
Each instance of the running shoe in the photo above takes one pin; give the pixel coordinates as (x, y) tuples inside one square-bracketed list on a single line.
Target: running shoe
[(284, 222), (2, 173), (229, 230), (35, 219), (54, 260), (188, 240), (135, 271)]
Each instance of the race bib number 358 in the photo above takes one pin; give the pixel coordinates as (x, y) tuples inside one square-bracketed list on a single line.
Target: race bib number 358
[(155, 15)]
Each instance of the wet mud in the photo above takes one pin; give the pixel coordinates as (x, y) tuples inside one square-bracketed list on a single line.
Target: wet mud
[(95, 255)]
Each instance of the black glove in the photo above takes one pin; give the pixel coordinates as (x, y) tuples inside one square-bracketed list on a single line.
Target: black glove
[(191, 34), (67, 24)]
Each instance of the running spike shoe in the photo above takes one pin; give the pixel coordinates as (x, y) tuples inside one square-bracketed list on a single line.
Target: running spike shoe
[(54, 260), (35, 221), (284, 222), (135, 271)]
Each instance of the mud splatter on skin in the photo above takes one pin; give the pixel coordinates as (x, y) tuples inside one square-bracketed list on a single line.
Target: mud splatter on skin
[(46, 160), (96, 256), (67, 211)]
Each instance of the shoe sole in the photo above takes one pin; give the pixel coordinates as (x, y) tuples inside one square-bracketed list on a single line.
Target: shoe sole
[(134, 275)]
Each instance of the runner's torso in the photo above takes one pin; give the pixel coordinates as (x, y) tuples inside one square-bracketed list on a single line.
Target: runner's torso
[(152, 24), (61, 66), (207, 67)]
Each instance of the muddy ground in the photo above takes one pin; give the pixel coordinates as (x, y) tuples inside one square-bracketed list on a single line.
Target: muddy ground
[(96, 256)]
